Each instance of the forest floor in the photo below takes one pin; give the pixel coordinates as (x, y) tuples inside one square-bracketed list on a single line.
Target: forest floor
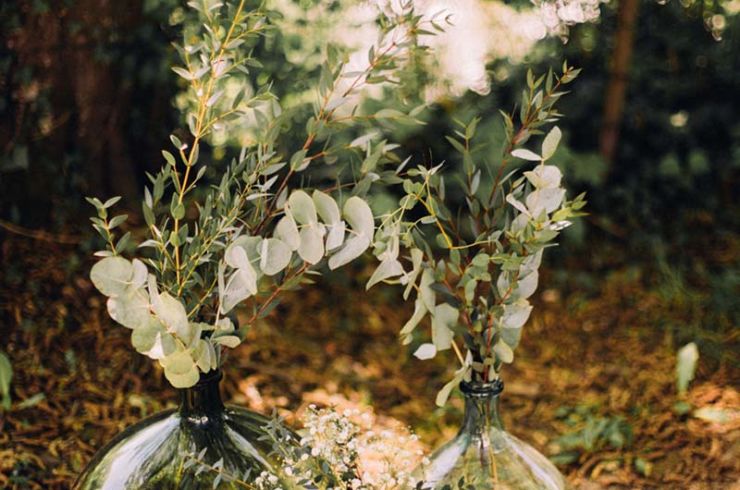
[(593, 385)]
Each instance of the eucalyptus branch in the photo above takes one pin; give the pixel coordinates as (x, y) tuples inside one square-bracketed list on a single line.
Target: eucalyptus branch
[(483, 284), (203, 102)]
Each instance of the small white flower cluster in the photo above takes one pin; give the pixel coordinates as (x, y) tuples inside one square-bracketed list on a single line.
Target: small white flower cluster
[(333, 438), (267, 481), (388, 458), (342, 451), (559, 15)]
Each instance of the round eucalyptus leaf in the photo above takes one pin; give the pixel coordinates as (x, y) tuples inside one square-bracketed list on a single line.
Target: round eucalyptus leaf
[(182, 381), (545, 177), (532, 262), (359, 215), (179, 362), (511, 336), (130, 310), (171, 312), (180, 369), (275, 256), (327, 207), (153, 341), (236, 257), (516, 314), (547, 200), (112, 275), (241, 285), (228, 340), (302, 208), (202, 355), (312, 245), (252, 246), (335, 235), (144, 337), (287, 231), (139, 275)]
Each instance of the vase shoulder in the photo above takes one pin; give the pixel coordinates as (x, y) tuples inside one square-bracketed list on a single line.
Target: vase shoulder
[(186, 451)]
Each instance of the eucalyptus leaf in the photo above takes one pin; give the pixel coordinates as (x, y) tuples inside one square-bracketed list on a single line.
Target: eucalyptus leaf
[(302, 208), (503, 352), (425, 351), (420, 312), (139, 274), (287, 231), (416, 258), (202, 355), (444, 321), (180, 369), (353, 248), (516, 314), (550, 143), (241, 285), (426, 293), (311, 248), (275, 256), (545, 177), (171, 312), (360, 217), (153, 341), (386, 270), (444, 393), (335, 235), (327, 207), (547, 200), (112, 275), (132, 310), (511, 336), (525, 154), (228, 340)]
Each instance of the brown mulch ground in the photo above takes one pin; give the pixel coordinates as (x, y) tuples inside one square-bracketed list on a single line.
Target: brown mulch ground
[(583, 361)]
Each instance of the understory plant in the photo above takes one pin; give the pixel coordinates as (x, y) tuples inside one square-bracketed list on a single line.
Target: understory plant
[(245, 232), (471, 264)]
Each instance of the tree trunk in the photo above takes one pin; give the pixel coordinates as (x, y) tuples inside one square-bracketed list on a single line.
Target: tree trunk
[(616, 91)]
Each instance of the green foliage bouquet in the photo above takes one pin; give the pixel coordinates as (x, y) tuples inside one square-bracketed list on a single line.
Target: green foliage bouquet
[(473, 264), (250, 236)]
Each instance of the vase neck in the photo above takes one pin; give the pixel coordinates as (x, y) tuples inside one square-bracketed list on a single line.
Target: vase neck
[(482, 406), (202, 402)]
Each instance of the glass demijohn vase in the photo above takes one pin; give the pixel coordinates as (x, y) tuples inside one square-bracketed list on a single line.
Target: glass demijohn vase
[(483, 455), (190, 447)]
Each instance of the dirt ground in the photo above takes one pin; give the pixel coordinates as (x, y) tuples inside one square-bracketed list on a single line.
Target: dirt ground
[(593, 384)]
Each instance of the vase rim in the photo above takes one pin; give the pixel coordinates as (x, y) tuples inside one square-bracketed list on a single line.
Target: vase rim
[(482, 389)]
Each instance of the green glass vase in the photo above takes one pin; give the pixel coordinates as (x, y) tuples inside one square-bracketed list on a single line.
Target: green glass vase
[(200, 445), (483, 455)]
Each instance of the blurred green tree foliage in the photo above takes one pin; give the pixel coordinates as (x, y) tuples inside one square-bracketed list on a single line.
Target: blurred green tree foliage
[(87, 93)]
